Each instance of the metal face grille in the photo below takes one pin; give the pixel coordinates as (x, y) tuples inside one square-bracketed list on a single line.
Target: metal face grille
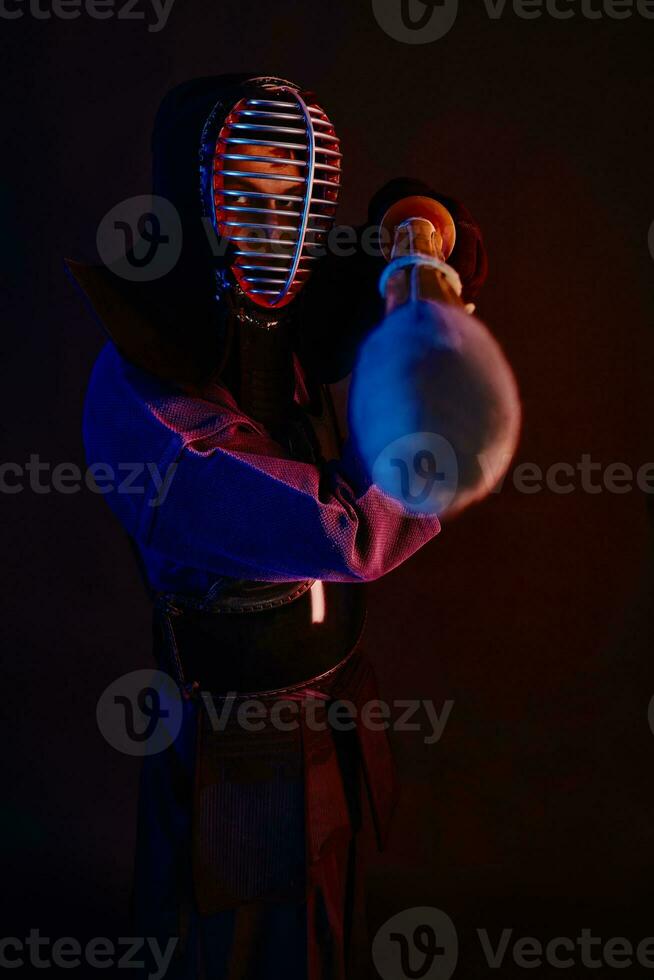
[(276, 180)]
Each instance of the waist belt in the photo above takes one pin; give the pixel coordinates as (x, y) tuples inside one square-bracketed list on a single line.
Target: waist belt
[(240, 644)]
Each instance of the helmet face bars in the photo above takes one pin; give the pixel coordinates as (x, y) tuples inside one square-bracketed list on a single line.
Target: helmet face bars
[(276, 180)]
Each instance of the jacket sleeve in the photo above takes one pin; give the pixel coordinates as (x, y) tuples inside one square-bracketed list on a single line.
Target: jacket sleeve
[(215, 493), (236, 506)]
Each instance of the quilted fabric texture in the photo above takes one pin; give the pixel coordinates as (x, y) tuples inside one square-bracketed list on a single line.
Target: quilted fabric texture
[(232, 503)]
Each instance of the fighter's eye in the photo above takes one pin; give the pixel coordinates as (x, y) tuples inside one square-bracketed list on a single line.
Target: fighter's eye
[(241, 202)]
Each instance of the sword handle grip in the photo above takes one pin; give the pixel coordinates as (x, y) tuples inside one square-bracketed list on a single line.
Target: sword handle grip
[(421, 228)]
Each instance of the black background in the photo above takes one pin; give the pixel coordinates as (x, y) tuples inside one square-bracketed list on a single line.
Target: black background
[(534, 811)]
